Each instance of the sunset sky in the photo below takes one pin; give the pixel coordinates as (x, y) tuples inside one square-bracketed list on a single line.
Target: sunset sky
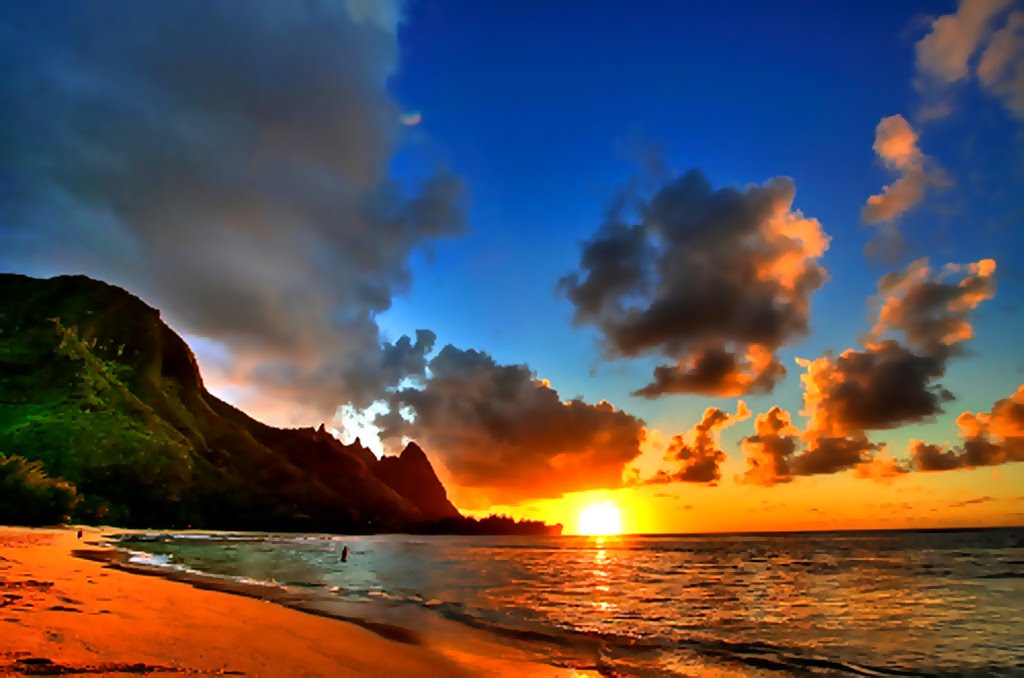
[(544, 239)]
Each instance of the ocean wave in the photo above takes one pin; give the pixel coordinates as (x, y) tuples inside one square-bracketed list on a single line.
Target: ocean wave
[(148, 559), (1002, 575)]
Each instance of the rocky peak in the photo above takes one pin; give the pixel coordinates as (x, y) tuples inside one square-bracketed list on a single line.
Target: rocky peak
[(411, 475)]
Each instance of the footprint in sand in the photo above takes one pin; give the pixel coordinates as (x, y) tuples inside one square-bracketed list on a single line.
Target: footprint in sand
[(9, 599)]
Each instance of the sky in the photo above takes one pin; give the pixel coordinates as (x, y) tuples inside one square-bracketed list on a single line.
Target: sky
[(731, 267)]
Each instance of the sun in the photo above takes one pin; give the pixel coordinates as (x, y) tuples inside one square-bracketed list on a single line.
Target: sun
[(600, 519)]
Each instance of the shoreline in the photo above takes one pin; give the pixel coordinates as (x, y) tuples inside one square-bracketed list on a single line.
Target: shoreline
[(70, 606), (118, 558)]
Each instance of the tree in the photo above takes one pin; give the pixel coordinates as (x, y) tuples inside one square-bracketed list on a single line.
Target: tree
[(30, 497)]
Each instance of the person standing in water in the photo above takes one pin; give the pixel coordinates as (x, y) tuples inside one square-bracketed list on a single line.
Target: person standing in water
[(344, 554)]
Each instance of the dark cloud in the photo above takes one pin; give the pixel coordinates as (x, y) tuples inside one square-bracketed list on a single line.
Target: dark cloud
[(775, 453), (716, 371), (715, 280), (932, 310), (696, 454), (988, 439), (888, 383), (970, 502), (231, 167), (771, 449), (833, 454), (503, 432), (882, 386)]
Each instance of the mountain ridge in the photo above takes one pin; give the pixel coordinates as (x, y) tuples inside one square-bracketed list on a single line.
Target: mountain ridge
[(99, 390)]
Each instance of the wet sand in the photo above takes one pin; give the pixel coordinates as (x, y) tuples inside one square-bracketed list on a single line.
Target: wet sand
[(72, 607)]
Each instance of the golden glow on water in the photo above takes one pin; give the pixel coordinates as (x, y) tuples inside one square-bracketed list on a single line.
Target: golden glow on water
[(602, 518)]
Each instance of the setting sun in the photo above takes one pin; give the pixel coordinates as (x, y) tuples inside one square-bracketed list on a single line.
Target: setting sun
[(600, 519)]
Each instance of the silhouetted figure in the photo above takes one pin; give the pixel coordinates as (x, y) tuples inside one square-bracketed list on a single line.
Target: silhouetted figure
[(79, 533), (344, 555)]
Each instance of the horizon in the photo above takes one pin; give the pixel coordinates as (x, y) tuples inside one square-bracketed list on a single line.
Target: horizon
[(648, 272)]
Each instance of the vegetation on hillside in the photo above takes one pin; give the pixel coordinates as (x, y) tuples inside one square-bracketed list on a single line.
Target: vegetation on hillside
[(28, 496), (99, 391)]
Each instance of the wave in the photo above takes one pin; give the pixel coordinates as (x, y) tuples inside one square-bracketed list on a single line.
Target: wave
[(1002, 575)]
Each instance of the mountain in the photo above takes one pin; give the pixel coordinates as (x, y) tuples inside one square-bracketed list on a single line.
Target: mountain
[(100, 392), (411, 476)]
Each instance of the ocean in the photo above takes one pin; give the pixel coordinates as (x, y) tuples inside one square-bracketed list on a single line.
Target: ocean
[(842, 603)]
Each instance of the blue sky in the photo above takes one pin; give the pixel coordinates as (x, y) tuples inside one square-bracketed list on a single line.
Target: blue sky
[(546, 109)]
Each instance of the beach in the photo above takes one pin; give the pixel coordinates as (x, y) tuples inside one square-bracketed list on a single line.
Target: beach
[(61, 613)]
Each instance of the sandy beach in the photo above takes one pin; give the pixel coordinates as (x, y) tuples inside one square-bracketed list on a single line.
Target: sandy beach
[(61, 613)]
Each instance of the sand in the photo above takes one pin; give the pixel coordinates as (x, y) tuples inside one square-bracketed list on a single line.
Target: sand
[(63, 614)]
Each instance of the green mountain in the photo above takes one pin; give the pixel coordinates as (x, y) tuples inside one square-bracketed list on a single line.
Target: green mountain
[(98, 393)]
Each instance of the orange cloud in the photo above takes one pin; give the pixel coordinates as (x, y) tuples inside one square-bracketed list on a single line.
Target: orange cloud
[(989, 438), (932, 313), (896, 145), (882, 468), (949, 54), (698, 450), (885, 384), (1001, 68), (944, 53), (770, 450)]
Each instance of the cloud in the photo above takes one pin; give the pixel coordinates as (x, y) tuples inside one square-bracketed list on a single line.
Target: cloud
[(229, 166), (944, 53), (770, 450), (831, 454), (974, 41), (776, 453), (929, 309), (988, 439), (1001, 68), (888, 384), (882, 468), (884, 385), (503, 432), (896, 146), (717, 280), (697, 451), (970, 502)]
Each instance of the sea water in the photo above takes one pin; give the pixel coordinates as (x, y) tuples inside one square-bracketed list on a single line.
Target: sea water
[(858, 603)]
